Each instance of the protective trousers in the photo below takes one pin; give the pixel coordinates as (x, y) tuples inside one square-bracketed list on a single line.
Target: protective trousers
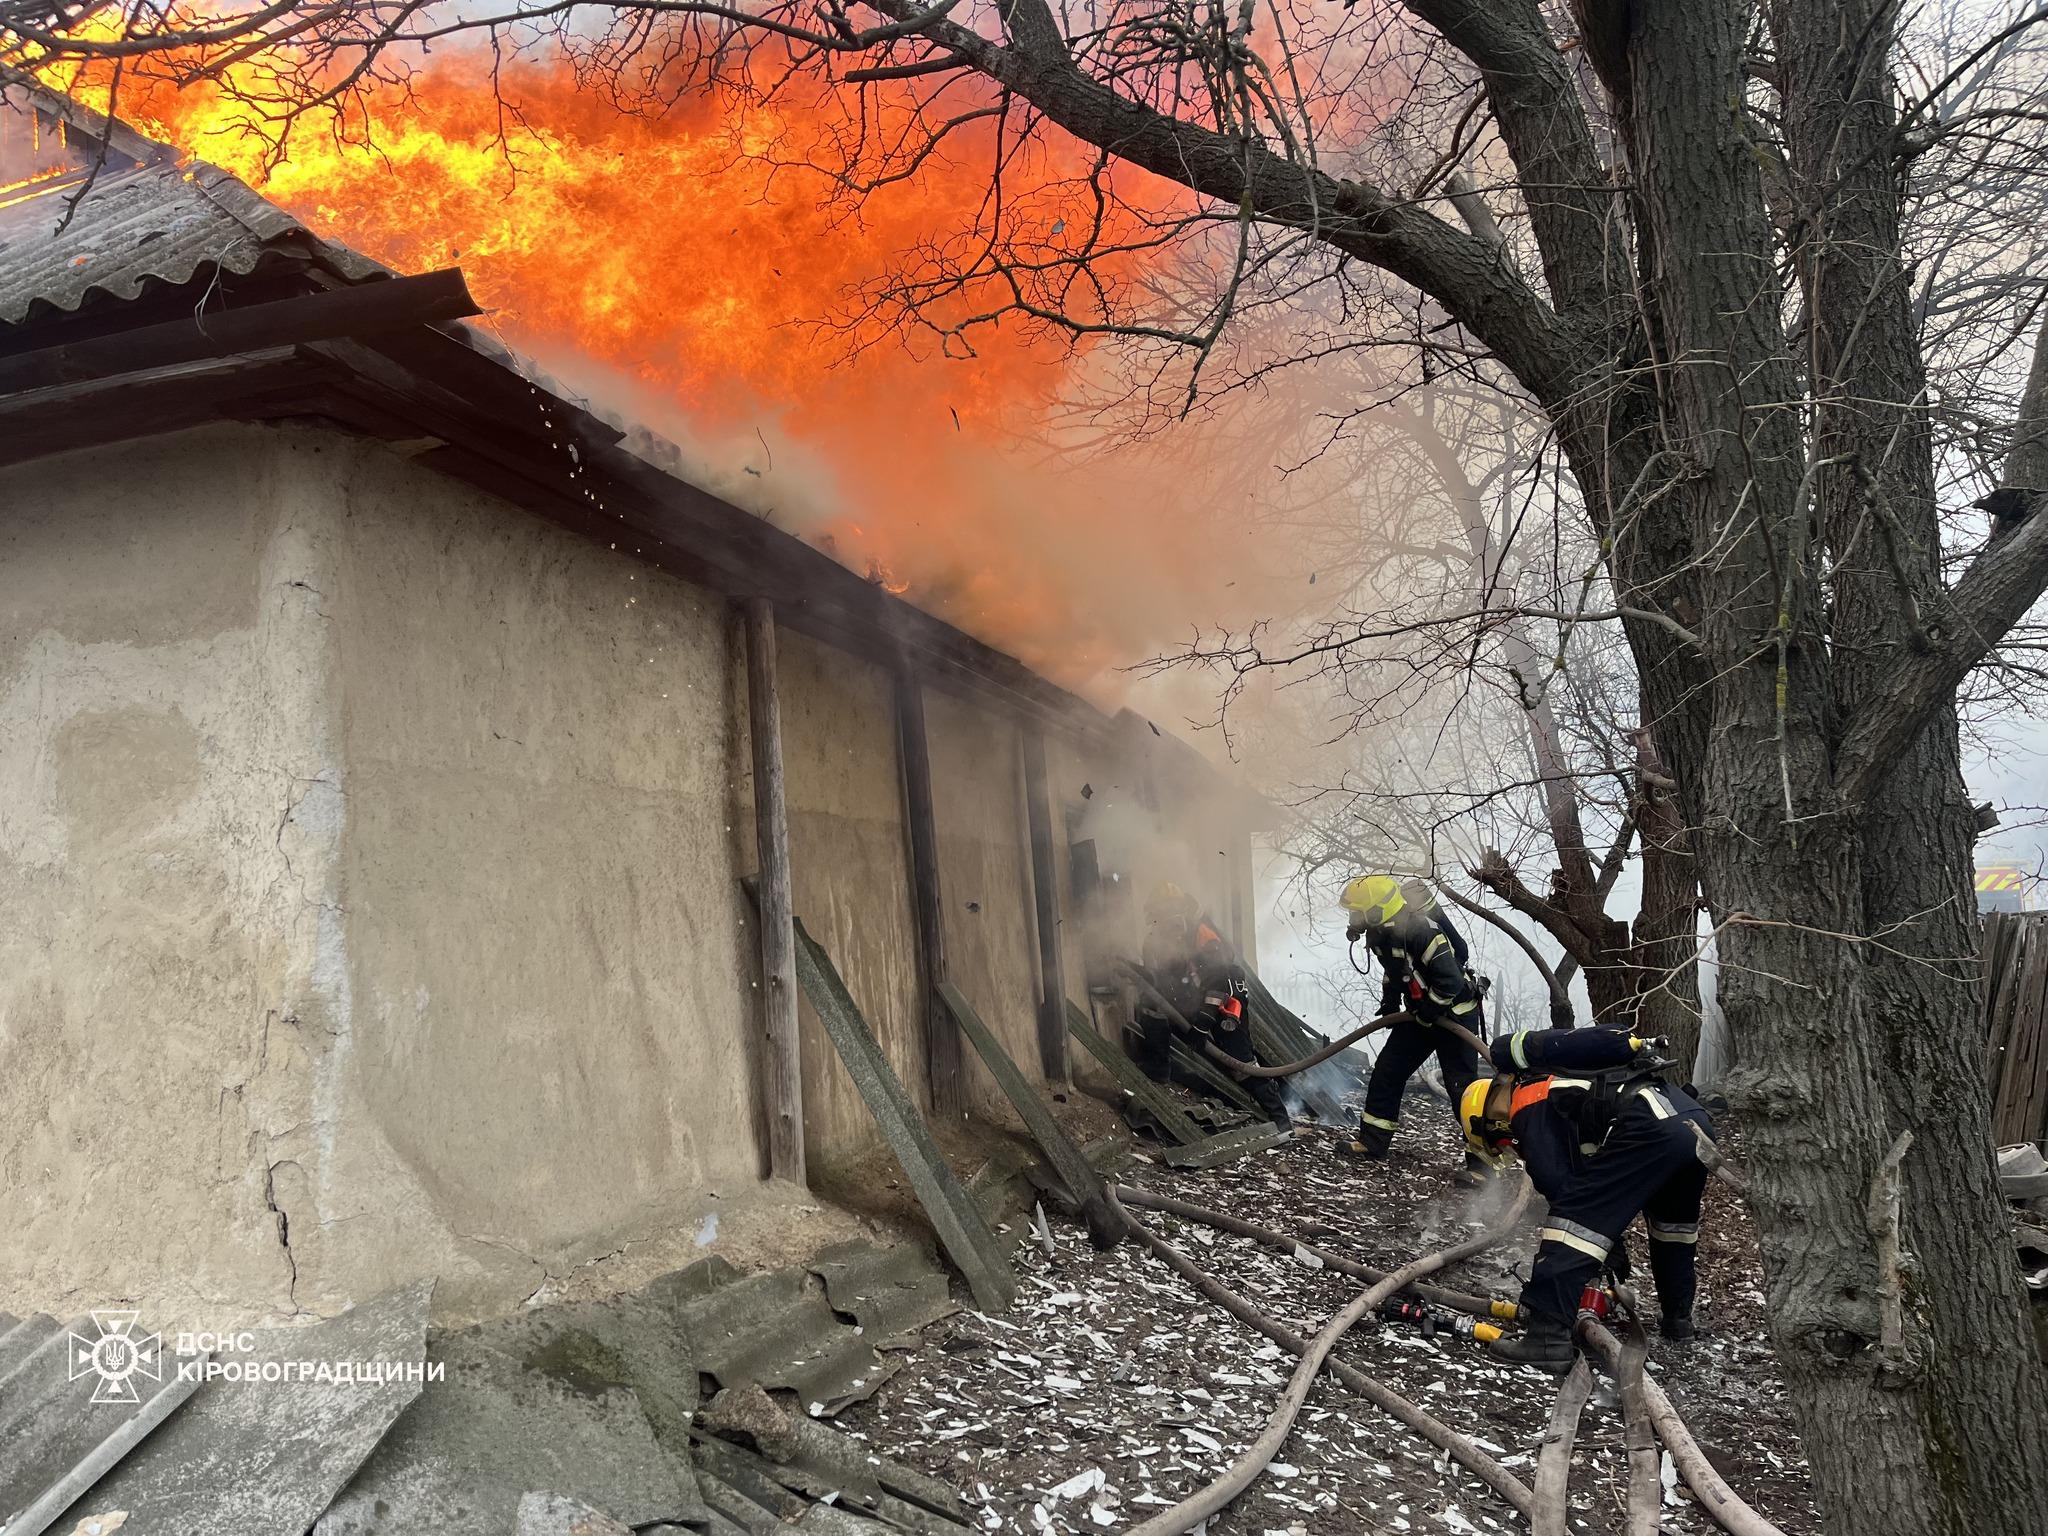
[(1648, 1163), (1154, 1054), (1265, 1091), (1407, 1046)]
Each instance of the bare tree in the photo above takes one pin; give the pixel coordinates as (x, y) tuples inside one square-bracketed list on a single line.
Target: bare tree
[(1440, 627), (1703, 240)]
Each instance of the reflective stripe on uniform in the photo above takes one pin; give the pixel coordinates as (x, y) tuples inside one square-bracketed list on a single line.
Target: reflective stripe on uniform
[(1434, 947), (1468, 1006), (1518, 1048), (1673, 1231), (1385, 1125), (1572, 1235), (1571, 1082), (1654, 1097)]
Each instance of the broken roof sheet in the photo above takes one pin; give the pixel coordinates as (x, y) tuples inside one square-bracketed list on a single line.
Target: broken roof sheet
[(141, 226)]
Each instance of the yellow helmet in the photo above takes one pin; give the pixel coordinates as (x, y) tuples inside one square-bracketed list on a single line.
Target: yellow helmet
[(1374, 899), (1169, 903), (1485, 1135)]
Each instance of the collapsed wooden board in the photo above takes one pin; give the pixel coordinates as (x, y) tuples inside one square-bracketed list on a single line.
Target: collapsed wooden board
[(1195, 1147), (1079, 1176), (1172, 1119), (962, 1233)]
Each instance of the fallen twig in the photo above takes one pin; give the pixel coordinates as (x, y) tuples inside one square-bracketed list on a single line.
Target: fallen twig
[(1280, 1242), (1190, 1512), (1461, 1450), (1554, 1460)]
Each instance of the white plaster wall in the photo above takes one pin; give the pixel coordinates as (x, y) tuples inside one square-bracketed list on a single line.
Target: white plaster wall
[(367, 902), (164, 682), (550, 1060)]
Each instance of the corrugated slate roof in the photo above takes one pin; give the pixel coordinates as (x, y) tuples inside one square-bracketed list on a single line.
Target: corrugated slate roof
[(152, 224)]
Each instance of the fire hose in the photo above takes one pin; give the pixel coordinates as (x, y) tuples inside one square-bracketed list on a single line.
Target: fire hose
[(1711, 1156), (1243, 1068), (1191, 1512), (1717, 1499), (1722, 1504), (1237, 1226), (1554, 1460), (1645, 1484)]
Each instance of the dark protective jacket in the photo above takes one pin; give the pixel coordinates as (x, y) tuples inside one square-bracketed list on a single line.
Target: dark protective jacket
[(1422, 959), (1572, 1085), (1195, 973)]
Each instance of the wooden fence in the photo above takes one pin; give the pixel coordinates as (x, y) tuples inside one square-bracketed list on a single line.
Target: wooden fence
[(2016, 1013)]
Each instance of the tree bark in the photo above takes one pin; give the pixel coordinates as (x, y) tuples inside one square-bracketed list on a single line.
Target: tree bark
[(1972, 1402), (1665, 959)]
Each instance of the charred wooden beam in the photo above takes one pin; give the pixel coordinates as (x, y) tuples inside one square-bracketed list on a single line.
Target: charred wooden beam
[(392, 304), (961, 1230), (783, 1086), (1083, 1182), (63, 417), (943, 1056), (1052, 974)]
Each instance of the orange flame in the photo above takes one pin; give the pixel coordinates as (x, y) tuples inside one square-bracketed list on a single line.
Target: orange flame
[(654, 247)]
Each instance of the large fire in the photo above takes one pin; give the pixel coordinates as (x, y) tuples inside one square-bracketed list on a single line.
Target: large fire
[(713, 294)]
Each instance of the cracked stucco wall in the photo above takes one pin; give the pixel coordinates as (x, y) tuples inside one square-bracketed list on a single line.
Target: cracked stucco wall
[(165, 703), (368, 889), (551, 1046)]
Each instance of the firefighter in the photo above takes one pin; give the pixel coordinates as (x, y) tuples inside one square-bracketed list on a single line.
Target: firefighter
[(1423, 961), (1191, 965), (1603, 1138)]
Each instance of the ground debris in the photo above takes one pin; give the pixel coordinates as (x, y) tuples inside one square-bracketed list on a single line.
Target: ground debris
[(1109, 1391)]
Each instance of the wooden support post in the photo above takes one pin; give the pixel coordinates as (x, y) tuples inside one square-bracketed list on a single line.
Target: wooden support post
[(1238, 862), (782, 1063), (1052, 975), (942, 1054)]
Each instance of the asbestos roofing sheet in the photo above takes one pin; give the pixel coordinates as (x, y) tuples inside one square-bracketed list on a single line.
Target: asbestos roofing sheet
[(155, 224), (462, 1459), (779, 1330), (886, 1291), (252, 1458), (636, 1342)]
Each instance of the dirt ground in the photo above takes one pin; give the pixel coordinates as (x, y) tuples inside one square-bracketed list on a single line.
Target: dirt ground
[(1111, 1391)]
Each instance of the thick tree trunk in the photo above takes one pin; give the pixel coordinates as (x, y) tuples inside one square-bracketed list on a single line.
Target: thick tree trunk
[(1905, 1446), (1667, 924), (1971, 1392)]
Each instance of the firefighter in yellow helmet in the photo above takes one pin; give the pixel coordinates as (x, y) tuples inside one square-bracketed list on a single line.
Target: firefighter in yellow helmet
[(1604, 1138), (1423, 961)]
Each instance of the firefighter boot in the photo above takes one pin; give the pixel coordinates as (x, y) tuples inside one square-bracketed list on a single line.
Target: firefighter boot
[(1475, 1173), (1368, 1144), (1546, 1344), (1677, 1330)]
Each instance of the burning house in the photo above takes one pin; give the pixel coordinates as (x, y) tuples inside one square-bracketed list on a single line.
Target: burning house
[(386, 739)]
